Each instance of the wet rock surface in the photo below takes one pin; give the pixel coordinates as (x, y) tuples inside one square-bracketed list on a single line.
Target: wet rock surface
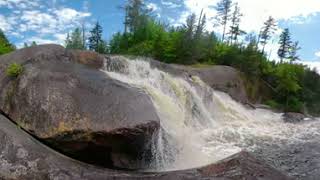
[(300, 160), (222, 78), (23, 157), (65, 101), (291, 117)]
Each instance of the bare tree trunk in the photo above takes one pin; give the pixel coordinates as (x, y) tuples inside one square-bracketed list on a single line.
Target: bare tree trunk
[(83, 36), (224, 31)]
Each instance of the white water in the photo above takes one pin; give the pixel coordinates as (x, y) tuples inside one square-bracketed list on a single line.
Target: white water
[(201, 125)]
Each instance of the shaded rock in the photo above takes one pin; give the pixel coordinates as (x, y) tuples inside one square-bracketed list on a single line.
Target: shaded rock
[(23, 157), (222, 78), (77, 109), (291, 117)]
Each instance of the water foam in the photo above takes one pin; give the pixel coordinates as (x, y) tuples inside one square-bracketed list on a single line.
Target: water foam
[(200, 125)]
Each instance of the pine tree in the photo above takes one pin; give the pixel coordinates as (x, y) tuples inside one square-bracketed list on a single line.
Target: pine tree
[(266, 32), (33, 43), (293, 52), (5, 45), (235, 30), (223, 9), (187, 45), (75, 41), (136, 13), (95, 38), (285, 44)]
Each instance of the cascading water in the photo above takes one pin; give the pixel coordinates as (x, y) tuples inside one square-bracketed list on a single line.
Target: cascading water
[(198, 124)]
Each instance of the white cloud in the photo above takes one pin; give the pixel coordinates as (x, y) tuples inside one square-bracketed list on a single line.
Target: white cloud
[(21, 4), (317, 54), (60, 38), (152, 6), (69, 15), (46, 21), (4, 24), (169, 4), (312, 64)]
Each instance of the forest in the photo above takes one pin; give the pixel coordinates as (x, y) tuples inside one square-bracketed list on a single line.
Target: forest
[(283, 84)]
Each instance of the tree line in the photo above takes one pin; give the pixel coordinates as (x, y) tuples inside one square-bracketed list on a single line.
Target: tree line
[(283, 84)]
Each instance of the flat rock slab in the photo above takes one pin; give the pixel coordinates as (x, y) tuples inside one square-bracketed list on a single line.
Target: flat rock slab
[(24, 158)]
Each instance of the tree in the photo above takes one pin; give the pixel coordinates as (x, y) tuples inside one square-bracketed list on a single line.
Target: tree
[(33, 43), (5, 45), (186, 50), (285, 44), (235, 30), (136, 13), (83, 28), (95, 39), (266, 32), (201, 25), (75, 41), (223, 9), (289, 84), (293, 52)]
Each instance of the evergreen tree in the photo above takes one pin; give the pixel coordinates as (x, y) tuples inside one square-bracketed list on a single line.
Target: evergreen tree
[(5, 45), (75, 41), (285, 44), (266, 32), (224, 12), (235, 30), (33, 43), (136, 13), (293, 52), (186, 50), (95, 39)]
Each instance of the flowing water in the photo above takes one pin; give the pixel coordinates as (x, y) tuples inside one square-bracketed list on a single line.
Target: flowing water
[(200, 125)]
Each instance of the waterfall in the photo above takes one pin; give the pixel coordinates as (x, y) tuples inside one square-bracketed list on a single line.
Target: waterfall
[(200, 125)]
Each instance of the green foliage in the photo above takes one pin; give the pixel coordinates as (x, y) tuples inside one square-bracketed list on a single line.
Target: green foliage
[(310, 91), (5, 45), (75, 41), (285, 43), (14, 70), (273, 104), (96, 43)]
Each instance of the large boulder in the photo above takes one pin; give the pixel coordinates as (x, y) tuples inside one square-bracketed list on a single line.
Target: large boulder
[(64, 100), (222, 78), (23, 157)]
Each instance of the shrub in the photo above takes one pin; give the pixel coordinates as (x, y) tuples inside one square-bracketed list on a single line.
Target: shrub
[(14, 70), (273, 104)]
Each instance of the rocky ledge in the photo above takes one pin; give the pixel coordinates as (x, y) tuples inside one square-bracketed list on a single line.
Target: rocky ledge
[(22, 157)]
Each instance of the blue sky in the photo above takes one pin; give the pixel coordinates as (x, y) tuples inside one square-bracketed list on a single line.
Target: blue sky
[(48, 21)]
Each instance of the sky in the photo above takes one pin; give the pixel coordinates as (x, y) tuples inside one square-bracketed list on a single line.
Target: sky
[(48, 21)]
